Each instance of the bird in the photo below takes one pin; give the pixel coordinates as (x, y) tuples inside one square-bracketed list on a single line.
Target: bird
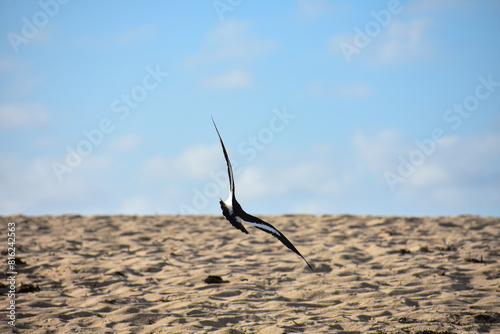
[(235, 214)]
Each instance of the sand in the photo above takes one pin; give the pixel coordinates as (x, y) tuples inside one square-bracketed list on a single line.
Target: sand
[(146, 274)]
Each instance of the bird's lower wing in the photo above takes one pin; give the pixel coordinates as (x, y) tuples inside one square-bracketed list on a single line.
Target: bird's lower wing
[(266, 227)]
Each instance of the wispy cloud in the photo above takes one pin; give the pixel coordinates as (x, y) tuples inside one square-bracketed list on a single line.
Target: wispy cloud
[(311, 9), (126, 38), (22, 116), (353, 91), (43, 142), (230, 42), (125, 143), (464, 161), (357, 90), (227, 55), (404, 41), (20, 81), (428, 6), (375, 153), (134, 35), (137, 205), (459, 176), (194, 162), (30, 187), (400, 42), (314, 89), (306, 178), (231, 79)]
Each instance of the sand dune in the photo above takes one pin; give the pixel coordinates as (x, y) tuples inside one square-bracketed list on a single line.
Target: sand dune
[(146, 274)]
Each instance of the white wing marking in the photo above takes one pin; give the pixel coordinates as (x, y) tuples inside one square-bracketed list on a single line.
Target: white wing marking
[(265, 227)]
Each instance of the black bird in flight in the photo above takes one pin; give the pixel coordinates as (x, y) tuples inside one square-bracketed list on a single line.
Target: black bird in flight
[(233, 212)]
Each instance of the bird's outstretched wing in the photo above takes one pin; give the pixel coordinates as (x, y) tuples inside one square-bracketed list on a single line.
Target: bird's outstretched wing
[(266, 227), (229, 168), (228, 210)]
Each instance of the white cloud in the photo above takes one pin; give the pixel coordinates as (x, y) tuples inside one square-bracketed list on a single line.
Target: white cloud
[(252, 182), (376, 153), (460, 176), (134, 35), (20, 81), (343, 37), (231, 43), (454, 161), (471, 160), (314, 89), (231, 79), (354, 91), (358, 90), (137, 205), (429, 174), (227, 54), (43, 142), (194, 162), (125, 143), (285, 178), (94, 164), (403, 41), (428, 6), (22, 115), (230, 30), (125, 38), (311, 9), (399, 42), (31, 187)]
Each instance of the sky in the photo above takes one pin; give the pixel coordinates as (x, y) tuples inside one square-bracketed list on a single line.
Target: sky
[(325, 107)]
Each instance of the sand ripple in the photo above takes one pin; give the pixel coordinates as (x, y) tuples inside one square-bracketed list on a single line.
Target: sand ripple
[(130, 274)]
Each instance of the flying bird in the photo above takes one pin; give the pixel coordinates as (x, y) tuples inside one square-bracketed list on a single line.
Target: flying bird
[(233, 212)]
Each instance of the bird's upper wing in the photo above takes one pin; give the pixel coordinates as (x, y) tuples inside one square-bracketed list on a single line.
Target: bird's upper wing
[(266, 227), (229, 168)]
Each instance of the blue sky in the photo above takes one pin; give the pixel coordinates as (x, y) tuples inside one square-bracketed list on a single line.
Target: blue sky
[(374, 107)]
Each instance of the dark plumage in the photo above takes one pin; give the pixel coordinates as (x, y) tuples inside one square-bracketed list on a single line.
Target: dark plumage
[(235, 214)]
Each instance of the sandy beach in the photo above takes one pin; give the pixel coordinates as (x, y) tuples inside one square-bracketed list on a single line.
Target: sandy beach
[(147, 274)]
